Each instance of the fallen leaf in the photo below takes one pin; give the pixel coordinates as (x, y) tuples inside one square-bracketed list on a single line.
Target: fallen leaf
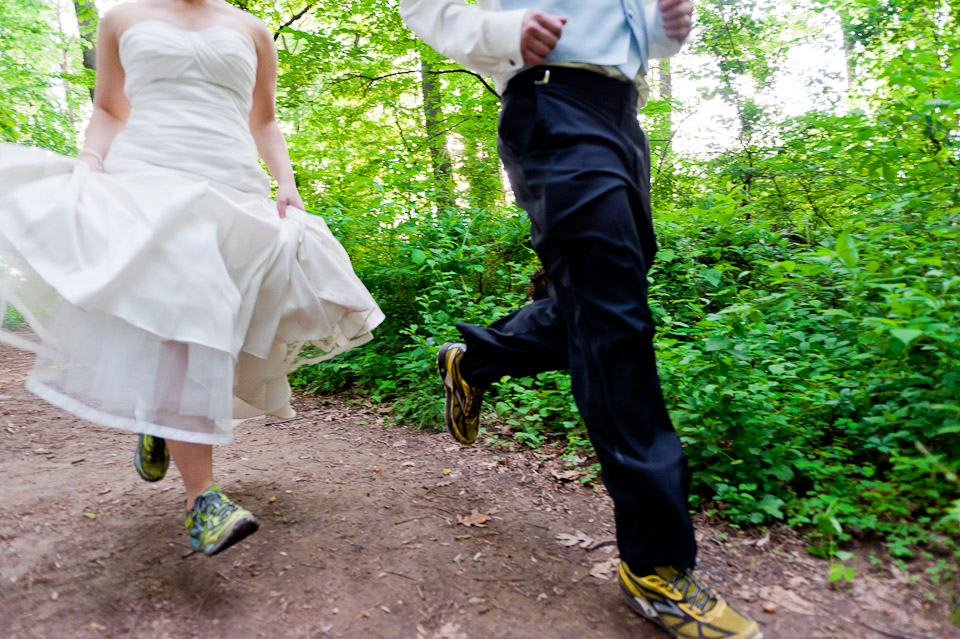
[(376, 469), (446, 471), (448, 630), (475, 518), (89, 515), (788, 599), (605, 569), (576, 539)]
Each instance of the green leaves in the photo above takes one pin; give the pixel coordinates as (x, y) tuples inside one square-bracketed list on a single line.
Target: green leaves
[(712, 276), (847, 249), (772, 506), (906, 335), (718, 343)]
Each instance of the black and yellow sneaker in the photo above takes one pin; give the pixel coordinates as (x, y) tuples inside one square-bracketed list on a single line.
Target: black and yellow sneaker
[(152, 458), (215, 523), (684, 606), (461, 413)]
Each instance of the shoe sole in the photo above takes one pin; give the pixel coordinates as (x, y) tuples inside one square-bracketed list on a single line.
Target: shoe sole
[(241, 531), (448, 399), (141, 472), (652, 616)]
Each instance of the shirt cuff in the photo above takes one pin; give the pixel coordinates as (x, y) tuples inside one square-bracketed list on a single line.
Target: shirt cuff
[(501, 36), (660, 46)]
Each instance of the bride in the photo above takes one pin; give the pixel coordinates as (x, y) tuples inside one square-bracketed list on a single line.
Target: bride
[(167, 294)]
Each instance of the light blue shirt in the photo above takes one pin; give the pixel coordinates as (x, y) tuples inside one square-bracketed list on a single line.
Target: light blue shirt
[(610, 34), (602, 32)]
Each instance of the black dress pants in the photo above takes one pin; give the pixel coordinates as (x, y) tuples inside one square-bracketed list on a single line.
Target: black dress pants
[(579, 165)]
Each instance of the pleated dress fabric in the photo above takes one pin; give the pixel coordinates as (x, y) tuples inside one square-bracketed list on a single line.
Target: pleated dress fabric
[(166, 295)]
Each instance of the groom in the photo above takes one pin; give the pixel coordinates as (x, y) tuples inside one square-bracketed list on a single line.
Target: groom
[(572, 76)]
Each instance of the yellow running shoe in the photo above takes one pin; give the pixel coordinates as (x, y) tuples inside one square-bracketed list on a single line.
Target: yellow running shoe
[(152, 458), (215, 523), (461, 412), (684, 606)]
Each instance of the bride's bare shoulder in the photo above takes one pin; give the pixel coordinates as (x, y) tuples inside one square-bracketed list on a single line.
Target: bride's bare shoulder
[(118, 18), (254, 25)]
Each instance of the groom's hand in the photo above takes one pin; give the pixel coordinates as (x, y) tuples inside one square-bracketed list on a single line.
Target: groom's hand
[(677, 18), (539, 33)]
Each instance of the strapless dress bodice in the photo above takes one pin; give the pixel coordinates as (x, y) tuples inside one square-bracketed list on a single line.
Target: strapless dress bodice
[(191, 93)]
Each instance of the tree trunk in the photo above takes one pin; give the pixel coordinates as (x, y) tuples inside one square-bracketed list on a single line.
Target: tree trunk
[(65, 68), (849, 45), (481, 162), (666, 93), (436, 135), (87, 18)]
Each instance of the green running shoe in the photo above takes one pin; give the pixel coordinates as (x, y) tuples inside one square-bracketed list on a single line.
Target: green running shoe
[(215, 523), (461, 411), (684, 606), (152, 458)]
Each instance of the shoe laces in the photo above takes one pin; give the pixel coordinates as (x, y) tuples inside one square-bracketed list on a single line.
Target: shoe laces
[(702, 597), (213, 503)]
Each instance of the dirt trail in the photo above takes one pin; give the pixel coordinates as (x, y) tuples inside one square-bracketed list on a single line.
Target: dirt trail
[(363, 535)]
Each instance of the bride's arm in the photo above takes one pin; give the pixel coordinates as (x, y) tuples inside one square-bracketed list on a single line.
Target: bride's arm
[(263, 123), (110, 106)]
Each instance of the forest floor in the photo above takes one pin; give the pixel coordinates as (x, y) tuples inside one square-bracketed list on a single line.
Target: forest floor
[(376, 531)]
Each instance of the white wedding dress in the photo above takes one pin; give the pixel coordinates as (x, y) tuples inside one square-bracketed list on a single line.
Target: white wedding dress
[(166, 295)]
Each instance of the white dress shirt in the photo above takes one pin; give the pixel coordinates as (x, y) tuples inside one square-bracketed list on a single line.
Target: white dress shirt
[(486, 39)]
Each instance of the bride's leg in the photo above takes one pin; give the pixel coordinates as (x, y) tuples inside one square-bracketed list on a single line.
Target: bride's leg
[(195, 463), (214, 522)]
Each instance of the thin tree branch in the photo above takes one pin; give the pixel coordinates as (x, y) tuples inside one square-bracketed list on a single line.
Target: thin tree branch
[(276, 34), (371, 80)]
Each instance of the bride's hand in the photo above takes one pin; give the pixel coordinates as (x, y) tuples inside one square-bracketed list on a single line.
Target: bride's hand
[(287, 195), (91, 161)]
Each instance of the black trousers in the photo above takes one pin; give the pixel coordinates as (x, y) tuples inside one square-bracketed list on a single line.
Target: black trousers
[(580, 165)]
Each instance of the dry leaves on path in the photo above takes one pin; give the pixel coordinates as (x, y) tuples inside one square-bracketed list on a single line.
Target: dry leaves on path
[(576, 539), (788, 599), (605, 569), (476, 518)]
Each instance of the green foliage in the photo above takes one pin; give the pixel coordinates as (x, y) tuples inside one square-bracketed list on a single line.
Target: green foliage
[(41, 92), (841, 571), (807, 288), (12, 320)]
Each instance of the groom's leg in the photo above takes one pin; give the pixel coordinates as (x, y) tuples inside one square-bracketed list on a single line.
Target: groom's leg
[(579, 165), (528, 341)]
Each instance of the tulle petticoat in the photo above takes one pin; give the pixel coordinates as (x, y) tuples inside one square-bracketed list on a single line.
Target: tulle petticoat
[(166, 304)]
